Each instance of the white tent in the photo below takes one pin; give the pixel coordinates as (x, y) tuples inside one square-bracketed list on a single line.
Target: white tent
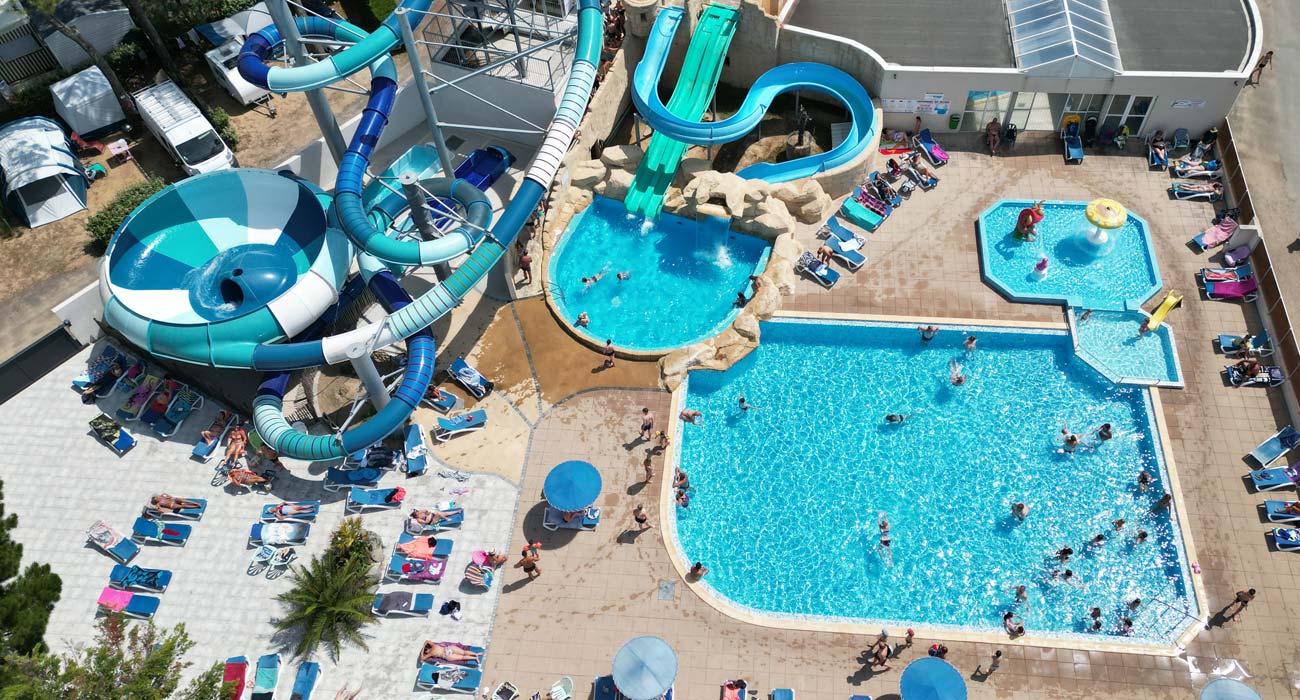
[(87, 104), (236, 26), (43, 182)]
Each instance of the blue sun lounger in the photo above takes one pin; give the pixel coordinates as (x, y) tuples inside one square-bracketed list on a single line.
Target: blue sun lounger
[(855, 212), (278, 534), (1260, 345), (443, 401), (816, 269), (338, 479), (138, 578), (782, 694), (130, 604), (1072, 144), (404, 569), (183, 405), (441, 550), (361, 500), (1273, 448), (171, 534), (553, 519), (838, 231), (470, 378), (455, 518), (203, 450), (847, 253), (461, 664), (448, 679), (182, 514), (112, 433), (464, 423), (417, 450), (894, 201), (1287, 539), (402, 604), (266, 677), (96, 368), (1182, 141), (111, 542), (268, 512), (603, 688), (1276, 511), (304, 684), (1275, 478)]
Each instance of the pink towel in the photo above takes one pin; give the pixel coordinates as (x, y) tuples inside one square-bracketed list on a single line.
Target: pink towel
[(937, 151), (114, 599), (1218, 235), (1235, 290)]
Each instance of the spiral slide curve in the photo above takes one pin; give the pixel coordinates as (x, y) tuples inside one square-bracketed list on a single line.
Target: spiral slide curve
[(258, 271), (815, 77)]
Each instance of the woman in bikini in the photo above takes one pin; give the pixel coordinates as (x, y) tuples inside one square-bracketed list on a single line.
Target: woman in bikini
[(170, 503), (432, 652), (288, 510)]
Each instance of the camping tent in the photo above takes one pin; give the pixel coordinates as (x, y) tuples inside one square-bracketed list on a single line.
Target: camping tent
[(236, 26), (87, 104), (42, 181)]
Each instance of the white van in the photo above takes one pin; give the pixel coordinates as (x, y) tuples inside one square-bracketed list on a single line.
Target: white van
[(183, 130)]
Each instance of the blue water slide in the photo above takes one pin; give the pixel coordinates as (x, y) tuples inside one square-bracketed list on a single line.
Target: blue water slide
[(409, 321), (812, 77)]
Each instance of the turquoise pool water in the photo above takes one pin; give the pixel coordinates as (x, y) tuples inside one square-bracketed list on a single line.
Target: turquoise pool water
[(683, 281), (786, 496), (1109, 341), (1124, 277)]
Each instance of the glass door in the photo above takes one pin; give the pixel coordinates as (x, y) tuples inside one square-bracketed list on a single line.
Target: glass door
[(1127, 110)]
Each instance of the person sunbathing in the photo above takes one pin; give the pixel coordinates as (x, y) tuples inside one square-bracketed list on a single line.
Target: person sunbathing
[(993, 135), (243, 476), (1158, 146), (236, 441), (163, 397), (1249, 366), (1215, 187), (1292, 507), (212, 432), (430, 517), (496, 559), (439, 651), (162, 501), (105, 380), (288, 510), (419, 548)]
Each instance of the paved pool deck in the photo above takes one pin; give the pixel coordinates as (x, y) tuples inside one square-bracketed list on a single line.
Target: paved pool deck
[(599, 589)]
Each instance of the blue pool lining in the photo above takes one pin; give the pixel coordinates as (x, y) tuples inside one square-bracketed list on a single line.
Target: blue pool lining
[(1098, 364)]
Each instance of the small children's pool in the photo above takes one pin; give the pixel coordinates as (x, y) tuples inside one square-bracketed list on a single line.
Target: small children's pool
[(1121, 278), (683, 276), (787, 495), (1110, 342)]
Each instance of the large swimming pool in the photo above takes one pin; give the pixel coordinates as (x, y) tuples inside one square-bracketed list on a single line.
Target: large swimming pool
[(1122, 275), (786, 496), (682, 283)]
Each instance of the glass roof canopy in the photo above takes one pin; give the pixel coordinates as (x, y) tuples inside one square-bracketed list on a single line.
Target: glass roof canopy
[(1064, 38)]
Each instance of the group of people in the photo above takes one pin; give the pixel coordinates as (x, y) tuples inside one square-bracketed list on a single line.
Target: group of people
[(237, 447), (615, 16)]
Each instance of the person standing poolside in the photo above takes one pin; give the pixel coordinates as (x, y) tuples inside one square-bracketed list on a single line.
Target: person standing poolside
[(649, 467), (993, 135), (994, 662), (927, 332), (1264, 62), (529, 560), (639, 515), (526, 267), (647, 424), (609, 352)]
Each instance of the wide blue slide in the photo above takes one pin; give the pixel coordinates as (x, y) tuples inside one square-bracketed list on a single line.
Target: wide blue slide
[(812, 77)]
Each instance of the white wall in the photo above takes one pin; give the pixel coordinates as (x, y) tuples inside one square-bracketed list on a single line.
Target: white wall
[(103, 29), (81, 312)]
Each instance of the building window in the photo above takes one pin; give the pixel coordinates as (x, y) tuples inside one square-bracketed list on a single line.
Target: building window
[(983, 106)]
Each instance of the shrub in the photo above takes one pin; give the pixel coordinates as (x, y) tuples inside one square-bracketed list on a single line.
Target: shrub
[(126, 58), (104, 223), (329, 603), (221, 122), (34, 100)]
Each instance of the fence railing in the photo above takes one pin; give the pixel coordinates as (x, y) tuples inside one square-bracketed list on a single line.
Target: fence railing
[(1234, 176)]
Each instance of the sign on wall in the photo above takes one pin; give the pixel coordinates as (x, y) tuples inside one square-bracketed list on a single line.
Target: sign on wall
[(895, 106), (1187, 104)]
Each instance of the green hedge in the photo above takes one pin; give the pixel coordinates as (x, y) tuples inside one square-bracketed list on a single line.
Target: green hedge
[(104, 223)]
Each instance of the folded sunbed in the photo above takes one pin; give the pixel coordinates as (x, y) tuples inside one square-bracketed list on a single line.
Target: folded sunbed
[(266, 677), (1260, 344), (1275, 446), (127, 603), (448, 428), (816, 269), (111, 433), (138, 578), (1287, 539), (185, 403), (417, 450), (448, 679), (111, 542), (1278, 513), (337, 479), (860, 215), (182, 514), (1268, 375), (1216, 235), (361, 500), (473, 381), (924, 142), (280, 534), (269, 512), (553, 519), (304, 684), (171, 534), (402, 604), (1181, 140), (234, 676), (1071, 143), (1243, 290)]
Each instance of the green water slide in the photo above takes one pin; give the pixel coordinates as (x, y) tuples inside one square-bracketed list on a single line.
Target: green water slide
[(691, 97)]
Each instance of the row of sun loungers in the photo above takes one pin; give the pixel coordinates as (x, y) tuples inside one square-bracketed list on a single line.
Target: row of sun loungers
[(266, 676)]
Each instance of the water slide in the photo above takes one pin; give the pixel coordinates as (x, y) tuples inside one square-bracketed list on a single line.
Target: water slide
[(242, 268), (811, 77), (695, 87)]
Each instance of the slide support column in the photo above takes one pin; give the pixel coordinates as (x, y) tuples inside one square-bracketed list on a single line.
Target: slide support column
[(422, 87), (316, 99), (369, 376), (419, 212)]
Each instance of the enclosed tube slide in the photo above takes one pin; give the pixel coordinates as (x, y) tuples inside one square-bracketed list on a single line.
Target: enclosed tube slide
[(815, 77), (406, 319)]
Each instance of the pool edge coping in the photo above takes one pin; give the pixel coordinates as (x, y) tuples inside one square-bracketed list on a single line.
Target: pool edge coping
[(715, 600)]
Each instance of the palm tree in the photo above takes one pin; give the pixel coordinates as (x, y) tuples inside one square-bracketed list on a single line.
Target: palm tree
[(328, 605)]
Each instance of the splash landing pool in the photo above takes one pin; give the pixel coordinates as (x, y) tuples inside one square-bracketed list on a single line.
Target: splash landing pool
[(787, 496), (683, 276)]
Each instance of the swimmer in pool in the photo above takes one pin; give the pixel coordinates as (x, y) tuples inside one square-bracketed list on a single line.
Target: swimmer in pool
[(624, 275), (954, 373), (1020, 511), (1071, 440), (895, 418)]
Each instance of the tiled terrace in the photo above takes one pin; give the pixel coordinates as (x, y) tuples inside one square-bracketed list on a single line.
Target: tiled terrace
[(600, 589)]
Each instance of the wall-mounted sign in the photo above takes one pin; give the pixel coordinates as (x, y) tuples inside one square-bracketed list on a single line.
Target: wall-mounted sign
[(894, 106), (1187, 104), (935, 96)]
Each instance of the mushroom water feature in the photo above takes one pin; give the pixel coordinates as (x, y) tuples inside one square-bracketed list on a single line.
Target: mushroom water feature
[(1103, 216)]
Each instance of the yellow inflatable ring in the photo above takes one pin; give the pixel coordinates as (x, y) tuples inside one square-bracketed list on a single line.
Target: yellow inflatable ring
[(1106, 213)]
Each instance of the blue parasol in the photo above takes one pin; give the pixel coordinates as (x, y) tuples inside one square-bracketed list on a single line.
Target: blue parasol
[(931, 678), (572, 486), (644, 668), (1228, 689)]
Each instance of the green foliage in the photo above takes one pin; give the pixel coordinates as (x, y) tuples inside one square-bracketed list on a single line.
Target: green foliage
[(125, 662), (362, 12), (173, 18), (221, 122), (329, 604), (126, 58), (34, 100), (104, 223), (25, 600)]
